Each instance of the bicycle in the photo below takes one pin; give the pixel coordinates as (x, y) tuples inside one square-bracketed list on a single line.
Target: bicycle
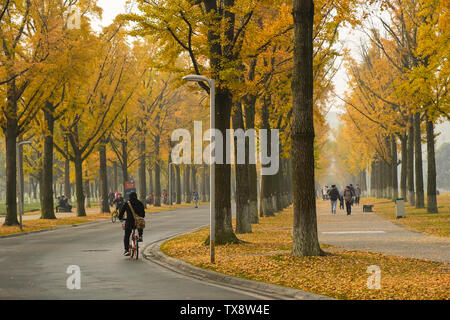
[(134, 245), (114, 215)]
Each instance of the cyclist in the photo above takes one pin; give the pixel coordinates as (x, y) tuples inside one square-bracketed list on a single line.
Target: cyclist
[(118, 201), (195, 198), (138, 208), (110, 198)]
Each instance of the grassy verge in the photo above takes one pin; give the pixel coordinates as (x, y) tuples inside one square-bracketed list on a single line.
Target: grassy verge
[(341, 274), (28, 208), (417, 219), (41, 224)]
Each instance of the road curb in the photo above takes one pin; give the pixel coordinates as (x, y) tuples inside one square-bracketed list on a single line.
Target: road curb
[(153, 253)]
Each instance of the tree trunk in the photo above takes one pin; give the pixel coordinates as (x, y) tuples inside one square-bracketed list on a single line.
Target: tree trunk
[(394, 174), (150, 180), (420, 197), (388, 169), (11, 133), (87, 190), (124, 164), (223, 102), (224, 227), (267, 208), (157, 196), (403, 174), (372, 178), (81, 211), (305, 237), (411, 194), (250, 111), (103, 178), (115, 177), (178, 183), (204, 186), (187, 184), (243, 224), (194, 179), (142, 173), (67, 191), (47, 205), (431, 170)]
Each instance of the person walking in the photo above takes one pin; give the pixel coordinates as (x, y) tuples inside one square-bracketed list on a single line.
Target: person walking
[(348, 196), (357, 194), (333, 194), (341, 200), (324, 193), (352, 189), (195, 198)]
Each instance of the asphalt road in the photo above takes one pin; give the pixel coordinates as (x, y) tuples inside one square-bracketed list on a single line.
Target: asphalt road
[(34, 266)]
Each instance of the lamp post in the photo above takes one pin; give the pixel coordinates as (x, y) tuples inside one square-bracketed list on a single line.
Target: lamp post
[(20, 176), (212, 93)]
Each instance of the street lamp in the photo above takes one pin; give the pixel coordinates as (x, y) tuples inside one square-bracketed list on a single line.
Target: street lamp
[(212, 93), (20, 174)]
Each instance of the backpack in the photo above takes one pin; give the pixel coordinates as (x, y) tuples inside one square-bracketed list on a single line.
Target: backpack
[(139, 222), (348, 192)]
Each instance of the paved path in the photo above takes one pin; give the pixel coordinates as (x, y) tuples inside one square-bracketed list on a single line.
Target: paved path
[(383, 236), (34, 266)]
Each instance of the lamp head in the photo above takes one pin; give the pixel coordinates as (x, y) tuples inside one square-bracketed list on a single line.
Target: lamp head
[(195, 78)]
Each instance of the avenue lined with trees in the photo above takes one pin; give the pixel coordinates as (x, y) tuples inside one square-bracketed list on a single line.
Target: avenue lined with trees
[(100, 106)]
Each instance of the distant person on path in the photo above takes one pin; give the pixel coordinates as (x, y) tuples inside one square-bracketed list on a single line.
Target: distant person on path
[(111, 198), (138, 208), (352, 189), (164, 195), (348, 196), (325, 193), (119, 201), (357, 194), (333, 194), (149, 199), (195, 198), (341, 200)]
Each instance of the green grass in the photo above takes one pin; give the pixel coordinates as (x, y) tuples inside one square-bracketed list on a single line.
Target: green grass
[(28, 207), (437, 224)]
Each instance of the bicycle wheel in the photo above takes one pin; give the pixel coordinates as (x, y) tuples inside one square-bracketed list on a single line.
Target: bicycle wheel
[(136, 250), (113, 217), (132, 249)]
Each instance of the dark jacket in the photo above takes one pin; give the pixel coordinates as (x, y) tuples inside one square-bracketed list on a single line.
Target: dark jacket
[(119, 202), (334, 194), (138, 209)]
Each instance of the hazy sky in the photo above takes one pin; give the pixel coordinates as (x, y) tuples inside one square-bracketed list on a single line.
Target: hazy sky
[(111, 8)]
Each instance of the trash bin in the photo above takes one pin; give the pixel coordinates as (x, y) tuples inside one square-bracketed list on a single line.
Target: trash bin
[(400, 208)]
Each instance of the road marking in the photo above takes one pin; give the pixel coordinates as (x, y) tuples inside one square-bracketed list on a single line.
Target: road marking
[(354, 232)]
